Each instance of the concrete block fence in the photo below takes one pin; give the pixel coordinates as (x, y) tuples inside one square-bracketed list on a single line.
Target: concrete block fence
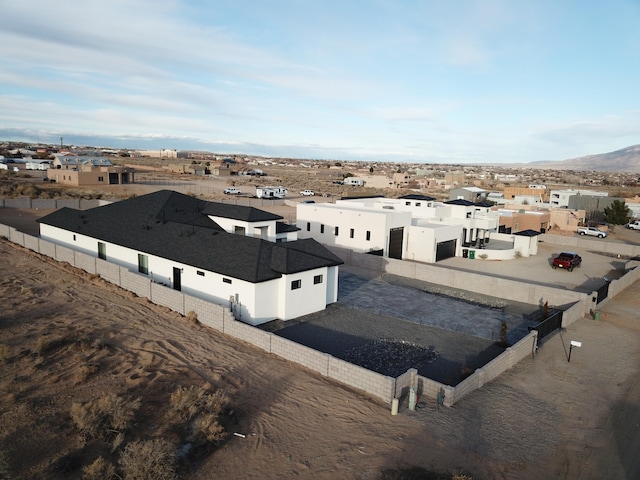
[(212, 315), (378, 386), (51, 203)]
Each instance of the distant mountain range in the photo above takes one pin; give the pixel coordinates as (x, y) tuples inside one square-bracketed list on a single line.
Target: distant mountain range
[(624, 160)]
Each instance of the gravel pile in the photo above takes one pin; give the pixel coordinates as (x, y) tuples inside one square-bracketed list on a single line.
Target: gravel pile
[(389, 356)]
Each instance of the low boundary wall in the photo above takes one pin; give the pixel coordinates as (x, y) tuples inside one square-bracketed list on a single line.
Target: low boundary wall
[(378, 386), (212, 315)]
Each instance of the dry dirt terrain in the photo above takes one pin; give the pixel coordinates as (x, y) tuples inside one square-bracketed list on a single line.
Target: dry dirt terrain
[(67, 337)]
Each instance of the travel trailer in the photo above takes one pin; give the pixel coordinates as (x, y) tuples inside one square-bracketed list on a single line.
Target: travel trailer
[(271, 192)]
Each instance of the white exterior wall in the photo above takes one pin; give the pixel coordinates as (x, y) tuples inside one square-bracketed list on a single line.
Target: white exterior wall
[(251, 229), (259, 302), (307, 299), (361, 220), (424, 238)]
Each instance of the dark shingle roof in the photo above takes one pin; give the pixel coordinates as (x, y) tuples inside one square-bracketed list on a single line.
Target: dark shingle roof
[(176, 226), (459, 201), (415, 196), (239, 212)]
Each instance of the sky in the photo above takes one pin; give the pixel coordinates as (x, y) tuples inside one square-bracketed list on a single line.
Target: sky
[(431, 81)]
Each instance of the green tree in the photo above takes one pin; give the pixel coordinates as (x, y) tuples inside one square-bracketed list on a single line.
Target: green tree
[(617, 214)]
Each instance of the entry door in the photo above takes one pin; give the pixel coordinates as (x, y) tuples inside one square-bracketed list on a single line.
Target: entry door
[(177, 278), (395, 242)]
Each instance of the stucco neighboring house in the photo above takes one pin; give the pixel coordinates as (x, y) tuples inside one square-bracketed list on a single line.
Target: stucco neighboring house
[(231, 255), (82, 170), (413, 227), (472, 194)]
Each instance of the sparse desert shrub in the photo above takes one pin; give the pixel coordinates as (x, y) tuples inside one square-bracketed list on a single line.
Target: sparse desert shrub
[(100, 469), (149, 460), (85, 372), (484, 256), (207, 428), (191, 401), (110, 414)]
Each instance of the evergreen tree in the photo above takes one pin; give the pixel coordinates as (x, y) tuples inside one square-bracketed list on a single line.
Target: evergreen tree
[(617, 214)]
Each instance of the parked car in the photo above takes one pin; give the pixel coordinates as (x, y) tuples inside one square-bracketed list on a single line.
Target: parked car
[(633, 225), (232, 191), (593, 231), (567, 260), (307, 193)]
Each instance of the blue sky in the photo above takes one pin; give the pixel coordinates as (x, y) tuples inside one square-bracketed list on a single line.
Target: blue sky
[(457, 81)]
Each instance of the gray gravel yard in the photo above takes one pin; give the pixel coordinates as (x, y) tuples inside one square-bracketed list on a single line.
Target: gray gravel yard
[(389, 324)]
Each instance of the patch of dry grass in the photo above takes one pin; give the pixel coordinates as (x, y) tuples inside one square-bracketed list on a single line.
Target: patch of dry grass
[(105, 415), (100, 469), (149, 460)]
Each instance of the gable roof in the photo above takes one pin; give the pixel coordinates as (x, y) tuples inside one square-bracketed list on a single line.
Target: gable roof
[(239, 212), (174, 226)]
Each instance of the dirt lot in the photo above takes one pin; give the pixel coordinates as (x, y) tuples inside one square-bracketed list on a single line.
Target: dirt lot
[(546, 418)]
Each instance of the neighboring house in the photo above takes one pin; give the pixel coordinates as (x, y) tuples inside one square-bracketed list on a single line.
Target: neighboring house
[(471, 194), (514, 221), (231, 255), (413, 227), (82, 170), (534, 193), (560, 198)]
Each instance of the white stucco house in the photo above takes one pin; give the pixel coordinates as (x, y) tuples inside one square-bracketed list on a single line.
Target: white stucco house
[(231, 255), (413, 227)]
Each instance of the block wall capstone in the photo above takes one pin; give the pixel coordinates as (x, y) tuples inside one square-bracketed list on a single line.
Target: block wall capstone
[(308, 357), (136, 283), (252, 335), (208, 313), (65, 254), (32, 243), (373, 383), (109, 271), (86, 262)]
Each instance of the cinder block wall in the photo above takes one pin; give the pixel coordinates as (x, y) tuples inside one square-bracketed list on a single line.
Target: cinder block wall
[(109, 271), (308, 357), (208, 313), (381, 386), (85, 262), (165, 296), (138, 284), (64, 254)]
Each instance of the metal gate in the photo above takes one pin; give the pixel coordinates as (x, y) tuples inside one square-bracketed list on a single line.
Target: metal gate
[(548, 325), (603, 292), (445, 250)]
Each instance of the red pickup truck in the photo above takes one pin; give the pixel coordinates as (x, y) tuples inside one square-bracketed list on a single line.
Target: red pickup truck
[(567, 260)]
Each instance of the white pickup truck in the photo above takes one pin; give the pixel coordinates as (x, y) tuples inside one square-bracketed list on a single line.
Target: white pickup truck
[(634, 225), (593, 231)]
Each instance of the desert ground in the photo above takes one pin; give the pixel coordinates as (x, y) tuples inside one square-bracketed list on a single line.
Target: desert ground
[(67, 338)]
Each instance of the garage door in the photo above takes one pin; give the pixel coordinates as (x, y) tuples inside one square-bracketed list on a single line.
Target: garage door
[(445, 250)]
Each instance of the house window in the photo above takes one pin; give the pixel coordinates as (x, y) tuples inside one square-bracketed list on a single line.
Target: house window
[(143, 264), (352, 233), (407, 203), (296, 284), (238, 230), (74, 238), (101, 179), (321, 228), (317, 279), (200, 272), (308, 226), (335, 230), (227, 280), (368, 236), (102, 250), (418, 204)]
